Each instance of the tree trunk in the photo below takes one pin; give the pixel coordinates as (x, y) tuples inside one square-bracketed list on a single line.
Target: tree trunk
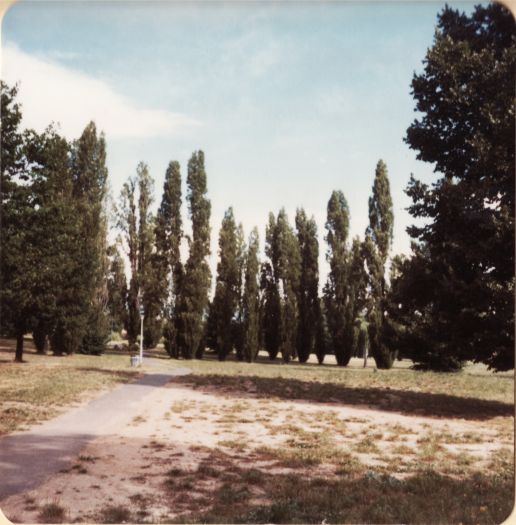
[(18, 358), (365, 355)]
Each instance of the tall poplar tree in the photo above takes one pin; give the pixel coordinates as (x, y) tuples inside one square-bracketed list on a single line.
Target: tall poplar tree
[(308, 292), (169, 233), (337, 287), (288, 270), (128, 224), (225, 301), (90, 174), (195, 282), (117, 290), (269, 284), (136, 221), (377, 246), (251, 300), (357, 288), (68, 277), (270, 310), (147, 271)]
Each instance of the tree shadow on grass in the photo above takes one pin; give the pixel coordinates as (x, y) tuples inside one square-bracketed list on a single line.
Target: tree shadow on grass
[(387, 399), (353, 496)]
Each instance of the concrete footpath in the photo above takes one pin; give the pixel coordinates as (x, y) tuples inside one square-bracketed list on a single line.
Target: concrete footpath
[(28, 458)]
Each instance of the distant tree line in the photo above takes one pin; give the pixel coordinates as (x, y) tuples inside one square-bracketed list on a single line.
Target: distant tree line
[(449, 301), (272, 304)]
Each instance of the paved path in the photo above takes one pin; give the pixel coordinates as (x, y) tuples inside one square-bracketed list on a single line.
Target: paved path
[(28, 458)]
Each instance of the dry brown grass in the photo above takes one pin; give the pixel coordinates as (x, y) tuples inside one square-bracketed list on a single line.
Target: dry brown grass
[(44, 385)]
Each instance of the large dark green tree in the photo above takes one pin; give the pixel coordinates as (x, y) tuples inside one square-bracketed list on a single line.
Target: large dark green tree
[(225, 301), (195, 282), (39, 228), (464, 252), (377, 245), (308, 291), (15, 215)]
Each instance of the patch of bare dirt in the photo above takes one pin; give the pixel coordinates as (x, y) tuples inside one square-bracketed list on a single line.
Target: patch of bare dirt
[(176, 451)]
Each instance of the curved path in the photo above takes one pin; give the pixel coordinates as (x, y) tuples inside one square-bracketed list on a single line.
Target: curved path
[(28, 458)]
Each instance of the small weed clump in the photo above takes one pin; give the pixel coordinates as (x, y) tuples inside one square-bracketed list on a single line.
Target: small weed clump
[(115, 514), (52, 513)]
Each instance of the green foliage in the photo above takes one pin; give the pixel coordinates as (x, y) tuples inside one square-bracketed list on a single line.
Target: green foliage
[(381, 217), (195, 283), (97, 333), (226, 298), (376, 247), (137, 223), (337, 290), (463, 262), (117, 290), (127, 223), (357, 281), (270, 311), (237, 325), (39, 336), (361, 339), (282, 248), (89, 174), (168, 239), (251, 300), (38, 227), (308, 291), (66, 278), (322, 336), (149, 278)]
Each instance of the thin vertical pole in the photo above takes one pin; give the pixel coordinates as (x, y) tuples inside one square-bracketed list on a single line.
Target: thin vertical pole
[(141, 339)]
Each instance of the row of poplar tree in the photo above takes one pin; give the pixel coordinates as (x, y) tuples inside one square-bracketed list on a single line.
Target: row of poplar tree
[(451, 300), (62, 281), (272, 304)]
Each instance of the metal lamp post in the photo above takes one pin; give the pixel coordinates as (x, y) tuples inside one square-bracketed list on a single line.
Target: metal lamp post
[(141, 333)]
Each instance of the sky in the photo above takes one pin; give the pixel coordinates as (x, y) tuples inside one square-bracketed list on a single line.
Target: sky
[(288, 100)]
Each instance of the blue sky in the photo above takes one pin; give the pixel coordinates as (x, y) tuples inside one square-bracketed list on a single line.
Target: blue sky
[(288, 100)]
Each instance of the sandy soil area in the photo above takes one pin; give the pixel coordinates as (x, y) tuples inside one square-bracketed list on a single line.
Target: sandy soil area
[(170, 454)]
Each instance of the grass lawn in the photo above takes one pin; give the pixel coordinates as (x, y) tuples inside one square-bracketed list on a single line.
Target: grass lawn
[(273, 443), (473, 382), (42, 386), (469, 474)]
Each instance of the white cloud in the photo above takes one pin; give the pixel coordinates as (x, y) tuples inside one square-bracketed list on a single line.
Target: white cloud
[(50, 92)]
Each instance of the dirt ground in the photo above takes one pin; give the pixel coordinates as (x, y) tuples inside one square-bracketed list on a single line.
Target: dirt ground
[(172, 453)]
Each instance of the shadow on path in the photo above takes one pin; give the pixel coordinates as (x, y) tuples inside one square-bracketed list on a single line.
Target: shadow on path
[(27, 458)]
